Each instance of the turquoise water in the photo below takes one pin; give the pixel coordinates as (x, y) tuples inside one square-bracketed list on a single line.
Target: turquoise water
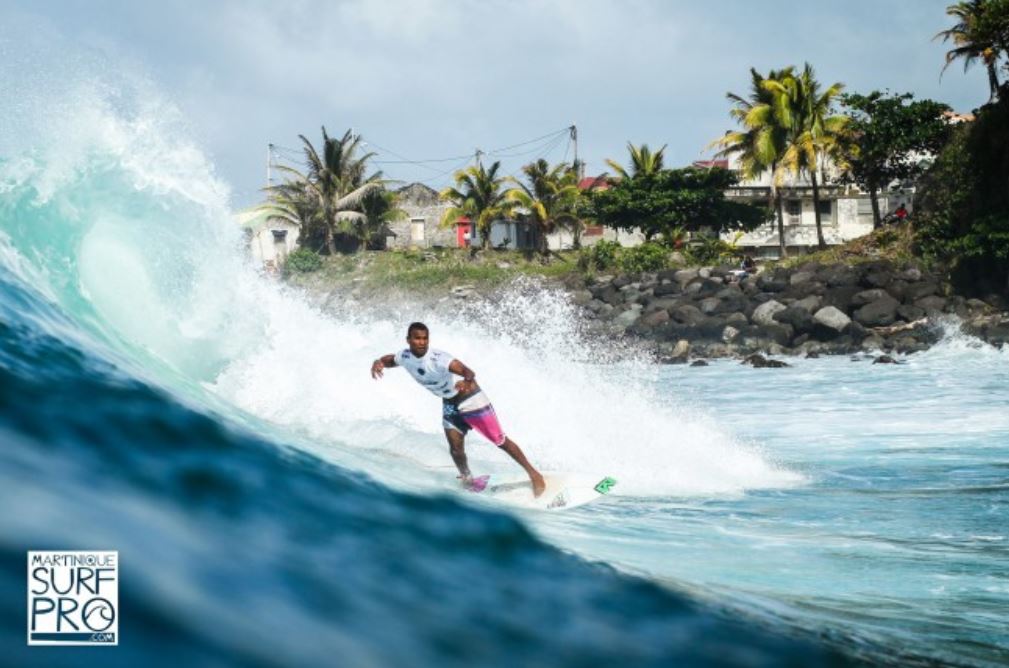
[(161, 398)]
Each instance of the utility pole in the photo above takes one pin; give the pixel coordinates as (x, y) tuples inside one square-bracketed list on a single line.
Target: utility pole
[(269, 165), (574, 139)]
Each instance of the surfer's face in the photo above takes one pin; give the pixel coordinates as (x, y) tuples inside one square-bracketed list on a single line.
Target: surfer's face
[(418, 342)]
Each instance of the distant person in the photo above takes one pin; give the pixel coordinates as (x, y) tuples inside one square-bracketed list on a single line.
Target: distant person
[(746, 267), (901, 213), (464, 405)]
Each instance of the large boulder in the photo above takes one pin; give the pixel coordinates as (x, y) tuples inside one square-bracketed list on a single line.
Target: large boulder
[(799, 318), (686, 314), (841, 297), (764, 314), (916, 291), (867, 297), (931, 304), (771, 283), (829, 323), (654, 319), (879, 313), (708, 305), (667, 289), (838, 275)]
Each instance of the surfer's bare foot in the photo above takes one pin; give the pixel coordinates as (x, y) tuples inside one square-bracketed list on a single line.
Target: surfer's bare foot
[(538, 484)]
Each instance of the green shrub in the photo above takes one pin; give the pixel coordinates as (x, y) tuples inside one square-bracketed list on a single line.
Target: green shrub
[(303, 261), (711, 250), (600, 256), (646, 257)]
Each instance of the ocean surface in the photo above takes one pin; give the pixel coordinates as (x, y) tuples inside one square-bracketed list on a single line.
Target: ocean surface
[(274, 505)]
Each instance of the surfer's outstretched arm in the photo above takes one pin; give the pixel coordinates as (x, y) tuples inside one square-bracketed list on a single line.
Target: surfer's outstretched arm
[(382, 363)]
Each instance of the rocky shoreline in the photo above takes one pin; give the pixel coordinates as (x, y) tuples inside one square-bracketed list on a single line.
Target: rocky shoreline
[(810, 310)]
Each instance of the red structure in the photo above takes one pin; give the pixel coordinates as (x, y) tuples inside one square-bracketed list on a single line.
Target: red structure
[(463, 231)]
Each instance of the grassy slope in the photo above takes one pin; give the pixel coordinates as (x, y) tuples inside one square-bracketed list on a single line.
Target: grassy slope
[(437, 270)]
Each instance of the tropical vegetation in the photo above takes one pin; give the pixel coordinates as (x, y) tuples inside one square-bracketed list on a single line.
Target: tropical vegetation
[(479, 196), (333, 195), (980, 34), (892, 138), (548, 199)]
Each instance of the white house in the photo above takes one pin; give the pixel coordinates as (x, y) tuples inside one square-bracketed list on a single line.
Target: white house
[(845, 212), (270, 239)]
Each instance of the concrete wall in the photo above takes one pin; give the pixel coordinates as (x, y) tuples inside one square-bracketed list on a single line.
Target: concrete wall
[(422, 207), (266, 247)]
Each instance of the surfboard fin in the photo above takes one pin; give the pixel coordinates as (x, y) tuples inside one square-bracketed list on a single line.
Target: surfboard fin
[(605, 485)]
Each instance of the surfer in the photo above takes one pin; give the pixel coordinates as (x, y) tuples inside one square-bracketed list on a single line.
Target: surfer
[(464, 405)]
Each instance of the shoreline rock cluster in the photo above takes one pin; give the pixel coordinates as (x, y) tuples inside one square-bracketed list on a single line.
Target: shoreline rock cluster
[(811, 309)]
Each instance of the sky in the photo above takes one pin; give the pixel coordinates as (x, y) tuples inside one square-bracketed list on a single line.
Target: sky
[(428, 82)]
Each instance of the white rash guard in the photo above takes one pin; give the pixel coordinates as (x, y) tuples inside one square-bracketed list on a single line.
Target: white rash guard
[(431, 371)]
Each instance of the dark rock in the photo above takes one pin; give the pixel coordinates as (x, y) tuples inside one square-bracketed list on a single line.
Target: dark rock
[(910, 313), (655, 318), (686, 314), (611, 296), (735, 303), (885, 359), (779, 333), (898, 289), (805, 289), (667, 289), (698, 363), (662, 304), (764, 314), (931, 304), (916, 291), (708, 305), (840, 297), (867, 297), (799, 318), (838, 276), (857, 331), (666, 275), (758, 361), (812, 355), (879, 313), (877, 279), (769, 284), (621, 281)]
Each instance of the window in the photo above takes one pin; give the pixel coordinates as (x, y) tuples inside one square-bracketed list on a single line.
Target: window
[(793, 208), (825, 208), (864, 206)]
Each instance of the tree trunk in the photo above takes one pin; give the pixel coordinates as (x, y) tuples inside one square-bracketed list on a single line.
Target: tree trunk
[(781, 222), (992, 81), (877, 220), (330, 243), (821, 242)]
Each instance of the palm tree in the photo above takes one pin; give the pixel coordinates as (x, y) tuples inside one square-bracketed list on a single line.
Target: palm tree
[(974, 40), (380, 208), (762, 142), (294, 202), (643, 161), (813, 133), (478, 196), (550, 196), (336, 179)]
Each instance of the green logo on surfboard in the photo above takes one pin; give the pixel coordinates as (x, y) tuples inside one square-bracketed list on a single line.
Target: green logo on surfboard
[(605, 485)]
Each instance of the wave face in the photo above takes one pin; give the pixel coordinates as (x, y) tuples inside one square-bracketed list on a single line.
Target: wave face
[(270, 503)]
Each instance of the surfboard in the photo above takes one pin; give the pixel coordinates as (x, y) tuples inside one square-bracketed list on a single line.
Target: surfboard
[(563, 491)]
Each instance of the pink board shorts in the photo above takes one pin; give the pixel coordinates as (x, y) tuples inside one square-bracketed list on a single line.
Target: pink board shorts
[(473, 411)]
